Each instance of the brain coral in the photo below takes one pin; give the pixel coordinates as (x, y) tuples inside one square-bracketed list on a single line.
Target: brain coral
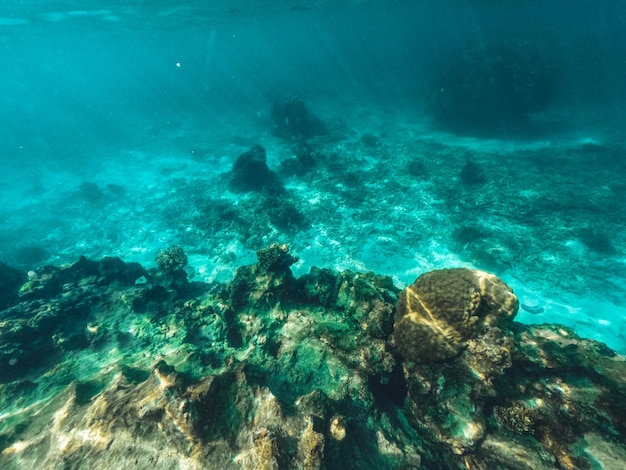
[(442, 309)]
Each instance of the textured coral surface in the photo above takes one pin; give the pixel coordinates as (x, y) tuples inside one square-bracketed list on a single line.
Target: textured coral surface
[(105, 365), (442, 309)]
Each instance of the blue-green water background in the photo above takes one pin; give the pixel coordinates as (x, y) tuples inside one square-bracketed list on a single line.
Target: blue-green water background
[(100, 91), (75, 77)]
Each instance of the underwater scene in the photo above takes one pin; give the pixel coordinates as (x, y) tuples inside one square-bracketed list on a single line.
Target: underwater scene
[(313, 234)]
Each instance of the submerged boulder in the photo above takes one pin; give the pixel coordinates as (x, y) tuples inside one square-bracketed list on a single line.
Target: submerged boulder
[(294, 121), (251, 173)]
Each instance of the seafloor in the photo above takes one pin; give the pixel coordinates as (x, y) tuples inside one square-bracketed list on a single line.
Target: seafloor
[(382, 191), (232, 364)]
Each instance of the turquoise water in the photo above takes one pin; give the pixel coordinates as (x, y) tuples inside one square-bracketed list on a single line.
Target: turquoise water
[(153, 103), (438, 134)]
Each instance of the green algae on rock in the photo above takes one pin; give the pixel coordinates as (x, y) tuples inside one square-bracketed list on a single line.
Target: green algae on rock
[(272, 371)]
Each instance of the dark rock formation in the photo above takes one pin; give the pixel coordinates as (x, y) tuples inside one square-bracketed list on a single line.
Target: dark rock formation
[(251, 173), (305, 160), (10, 281), (294, 121)]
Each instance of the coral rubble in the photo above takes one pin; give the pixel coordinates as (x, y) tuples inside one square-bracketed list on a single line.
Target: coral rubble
[(273, 371)]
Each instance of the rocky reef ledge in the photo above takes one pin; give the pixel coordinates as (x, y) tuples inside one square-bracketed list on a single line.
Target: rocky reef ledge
[(105, 364)]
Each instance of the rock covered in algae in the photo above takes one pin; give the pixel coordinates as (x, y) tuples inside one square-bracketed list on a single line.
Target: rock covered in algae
[(443, 309), (285, 384), (533, 397), (272, 371), (275, 258)]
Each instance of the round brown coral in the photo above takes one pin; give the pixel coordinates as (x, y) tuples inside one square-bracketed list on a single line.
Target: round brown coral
[(443, 309)]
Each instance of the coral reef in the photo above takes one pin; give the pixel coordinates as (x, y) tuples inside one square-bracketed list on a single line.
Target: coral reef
[(283, 214), (251, 173), (171, 265), (171, 260), (52, 315), (294, 121), (275, 258), (305, 160), (272, 371), (443, 309)]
